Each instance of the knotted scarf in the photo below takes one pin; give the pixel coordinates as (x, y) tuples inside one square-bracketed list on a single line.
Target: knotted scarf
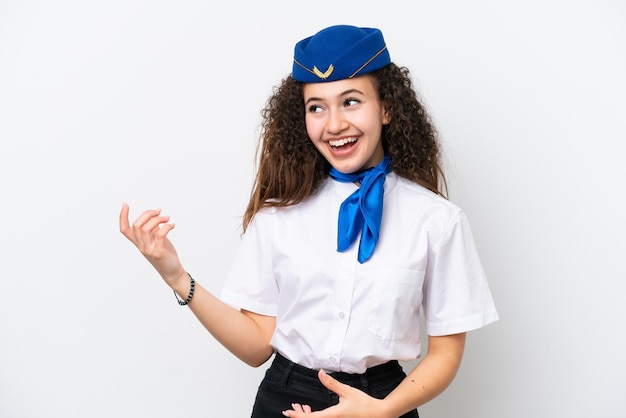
[(362, 211)]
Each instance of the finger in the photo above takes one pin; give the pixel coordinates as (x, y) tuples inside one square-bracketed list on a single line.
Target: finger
[(153, 223), (297, 410), (149, 232), (143, 221), (163, 231), (124, 223), (145, 217), (144, 224), (331, 384)]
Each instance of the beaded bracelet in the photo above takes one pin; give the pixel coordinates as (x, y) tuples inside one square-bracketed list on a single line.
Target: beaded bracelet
[(193, 287)]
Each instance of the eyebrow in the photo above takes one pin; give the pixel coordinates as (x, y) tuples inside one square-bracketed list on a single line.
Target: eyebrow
[(345, 93)]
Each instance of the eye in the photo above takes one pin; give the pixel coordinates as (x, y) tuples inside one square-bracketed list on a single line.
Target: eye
[(351, 101), (315, 108)]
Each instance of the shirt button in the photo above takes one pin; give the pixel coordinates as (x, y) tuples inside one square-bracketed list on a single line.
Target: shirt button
[(342, 315), (332, 359)]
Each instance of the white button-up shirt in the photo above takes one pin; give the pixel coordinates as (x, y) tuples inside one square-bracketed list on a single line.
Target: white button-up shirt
[(337, 314)]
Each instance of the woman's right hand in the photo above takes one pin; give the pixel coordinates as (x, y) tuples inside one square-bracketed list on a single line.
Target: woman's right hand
[(149, 234)]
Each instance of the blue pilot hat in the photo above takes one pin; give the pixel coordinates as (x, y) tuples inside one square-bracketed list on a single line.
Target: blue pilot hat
[(339, 52)]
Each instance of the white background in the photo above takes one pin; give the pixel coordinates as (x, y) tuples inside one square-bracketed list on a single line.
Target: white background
[(157, 104)]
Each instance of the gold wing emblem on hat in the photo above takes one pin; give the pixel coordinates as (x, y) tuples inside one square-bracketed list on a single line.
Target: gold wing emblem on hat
[(324, 75)]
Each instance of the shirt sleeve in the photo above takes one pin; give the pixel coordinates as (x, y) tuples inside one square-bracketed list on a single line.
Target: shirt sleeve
[(250, 283), (457, 297)]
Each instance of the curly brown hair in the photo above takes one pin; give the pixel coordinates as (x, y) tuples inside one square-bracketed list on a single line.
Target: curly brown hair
[(290, 168)]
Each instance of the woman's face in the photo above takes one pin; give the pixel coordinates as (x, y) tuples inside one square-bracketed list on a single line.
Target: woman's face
[(344, 120)]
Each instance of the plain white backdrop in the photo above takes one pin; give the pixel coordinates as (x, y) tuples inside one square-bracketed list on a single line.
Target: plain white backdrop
[(157, 104)]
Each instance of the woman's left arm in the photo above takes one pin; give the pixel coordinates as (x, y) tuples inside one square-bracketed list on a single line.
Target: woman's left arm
[(427, 380), (430, 377)]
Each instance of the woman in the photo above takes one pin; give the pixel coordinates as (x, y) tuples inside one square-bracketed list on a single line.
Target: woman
[(347, 237)]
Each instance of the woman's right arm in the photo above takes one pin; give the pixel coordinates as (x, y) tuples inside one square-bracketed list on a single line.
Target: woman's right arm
[(246, 334)]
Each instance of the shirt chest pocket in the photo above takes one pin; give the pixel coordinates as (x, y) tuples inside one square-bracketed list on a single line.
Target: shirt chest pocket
[(394, 301)]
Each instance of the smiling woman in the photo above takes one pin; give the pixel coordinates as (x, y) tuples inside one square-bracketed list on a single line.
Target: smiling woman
[(155, 104), (340, 114), (349, 161)]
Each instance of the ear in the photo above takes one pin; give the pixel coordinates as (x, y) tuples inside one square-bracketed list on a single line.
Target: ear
[(386, 117)]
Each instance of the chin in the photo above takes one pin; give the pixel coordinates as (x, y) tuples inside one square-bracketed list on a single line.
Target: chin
[(346, 168)]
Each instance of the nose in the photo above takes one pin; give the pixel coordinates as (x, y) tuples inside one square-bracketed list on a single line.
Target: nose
[(336, 121)]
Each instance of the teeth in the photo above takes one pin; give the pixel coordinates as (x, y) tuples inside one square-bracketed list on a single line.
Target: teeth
[(341, 142)]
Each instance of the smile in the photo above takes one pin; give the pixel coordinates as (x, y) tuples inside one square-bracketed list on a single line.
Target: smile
[(341, 142)]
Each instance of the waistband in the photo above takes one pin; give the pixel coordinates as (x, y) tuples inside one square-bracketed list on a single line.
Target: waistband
[(381, 372)]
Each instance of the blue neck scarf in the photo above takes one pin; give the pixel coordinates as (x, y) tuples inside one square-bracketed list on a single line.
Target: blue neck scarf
[(362, 211)]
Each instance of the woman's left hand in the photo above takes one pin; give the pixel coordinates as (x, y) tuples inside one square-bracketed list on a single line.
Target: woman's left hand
[(353, 403)]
